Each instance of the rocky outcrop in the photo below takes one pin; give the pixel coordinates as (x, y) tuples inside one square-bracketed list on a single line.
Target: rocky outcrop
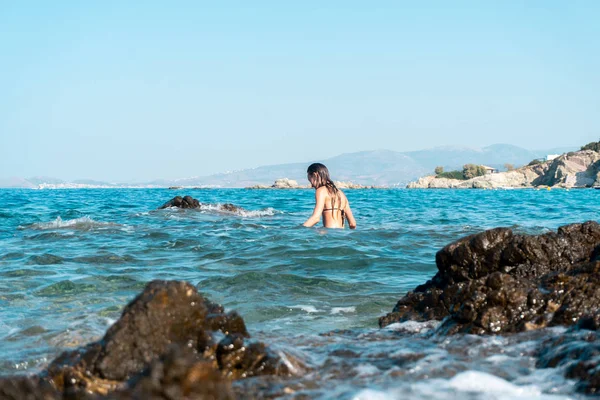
[(190, 202), (577, 169), (181, 202), (170, 342), (497, 281)]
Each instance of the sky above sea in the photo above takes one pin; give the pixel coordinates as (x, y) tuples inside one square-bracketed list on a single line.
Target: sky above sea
[(133, 91)]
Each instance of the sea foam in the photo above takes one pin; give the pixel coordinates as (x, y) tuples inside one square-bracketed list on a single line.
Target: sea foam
[(83, 223)]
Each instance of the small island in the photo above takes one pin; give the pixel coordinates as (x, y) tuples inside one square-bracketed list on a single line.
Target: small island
[(578, 169)]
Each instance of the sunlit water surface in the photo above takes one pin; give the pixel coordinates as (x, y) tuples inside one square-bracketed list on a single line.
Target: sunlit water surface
[(71, 259)]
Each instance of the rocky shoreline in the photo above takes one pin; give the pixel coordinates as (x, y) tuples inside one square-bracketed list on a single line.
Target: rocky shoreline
[(579, 169), (498, 282), (285, 183), (171, 342)]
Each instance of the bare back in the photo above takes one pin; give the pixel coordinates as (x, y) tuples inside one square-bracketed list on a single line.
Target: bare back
[(336, 212)]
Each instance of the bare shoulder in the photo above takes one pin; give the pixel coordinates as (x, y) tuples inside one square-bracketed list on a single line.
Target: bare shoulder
[(322, 191)]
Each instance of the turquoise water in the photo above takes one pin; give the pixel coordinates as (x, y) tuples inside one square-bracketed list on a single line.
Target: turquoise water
[(71, 259)]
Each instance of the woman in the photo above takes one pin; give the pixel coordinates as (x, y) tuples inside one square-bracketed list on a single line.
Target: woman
[(330, 201)]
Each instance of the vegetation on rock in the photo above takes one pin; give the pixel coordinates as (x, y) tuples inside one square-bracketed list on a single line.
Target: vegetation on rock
[(470, 171), (595, 146)]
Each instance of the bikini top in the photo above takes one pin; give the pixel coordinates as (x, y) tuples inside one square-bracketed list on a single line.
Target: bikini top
[(336, 208)]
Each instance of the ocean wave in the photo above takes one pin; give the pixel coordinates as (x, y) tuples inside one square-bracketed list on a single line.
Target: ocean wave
[(306, 308), (339, 310), (83, 223), (220, 208)]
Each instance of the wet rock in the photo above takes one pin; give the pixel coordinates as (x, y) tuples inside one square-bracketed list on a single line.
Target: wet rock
[(497, 281), (578, 353), (190, 202), (241, 361), (181, 202), (27, 388), (179, 374), (169, 343)]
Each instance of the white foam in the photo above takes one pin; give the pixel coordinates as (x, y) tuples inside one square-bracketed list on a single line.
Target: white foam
[(218, 208), (267, 212), (366, 370), (338, 310), (306, 308), (482, 382), (413, 326), (370, 394), (498, 358), (287, 363), (76, 223)]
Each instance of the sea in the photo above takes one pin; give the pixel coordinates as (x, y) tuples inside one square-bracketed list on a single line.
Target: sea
[(71, 259)]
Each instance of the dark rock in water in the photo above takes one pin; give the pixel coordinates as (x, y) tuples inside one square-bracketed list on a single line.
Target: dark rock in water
[(25, 387), (578, 351), (170, 342), (181, 202), (164, 313), (497, 281), (230, 207), (178, 375), (190, 202)]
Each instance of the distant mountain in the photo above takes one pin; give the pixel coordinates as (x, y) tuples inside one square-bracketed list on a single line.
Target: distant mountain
[(380, 167), (376, 167)]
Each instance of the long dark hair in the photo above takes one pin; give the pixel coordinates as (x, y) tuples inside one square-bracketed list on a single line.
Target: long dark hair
[(321, 172)]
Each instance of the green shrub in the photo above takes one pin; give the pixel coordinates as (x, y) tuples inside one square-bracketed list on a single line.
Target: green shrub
[(452, 175), (534, 162), (472, 170), (592, 146), (438, 170)]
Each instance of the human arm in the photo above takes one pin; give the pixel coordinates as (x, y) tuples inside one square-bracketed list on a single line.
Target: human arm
[(350, 217), (320, 196)]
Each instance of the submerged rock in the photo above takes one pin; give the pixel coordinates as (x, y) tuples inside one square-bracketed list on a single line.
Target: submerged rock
[(578, 352), (497, 281), (170, 342)]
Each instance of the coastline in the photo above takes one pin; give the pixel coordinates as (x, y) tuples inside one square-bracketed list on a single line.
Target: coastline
[(579, 169)]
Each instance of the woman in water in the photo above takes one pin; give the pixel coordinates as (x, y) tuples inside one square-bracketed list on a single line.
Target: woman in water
[(330, 201)]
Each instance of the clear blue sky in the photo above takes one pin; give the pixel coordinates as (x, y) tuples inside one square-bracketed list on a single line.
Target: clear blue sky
[(122, 92)]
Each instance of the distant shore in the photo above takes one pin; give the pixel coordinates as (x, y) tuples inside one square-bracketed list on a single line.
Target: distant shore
[(580, 169)]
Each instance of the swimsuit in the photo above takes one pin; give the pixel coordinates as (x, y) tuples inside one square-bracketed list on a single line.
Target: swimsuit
[(335, 208)]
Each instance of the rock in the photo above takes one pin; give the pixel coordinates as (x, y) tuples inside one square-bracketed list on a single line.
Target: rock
[(285, 183), (178, 375), (181, 202), (352, 185), (578, 352), (576, 169), (27, 388), (190, 202), (497, 281), (170, 342)]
